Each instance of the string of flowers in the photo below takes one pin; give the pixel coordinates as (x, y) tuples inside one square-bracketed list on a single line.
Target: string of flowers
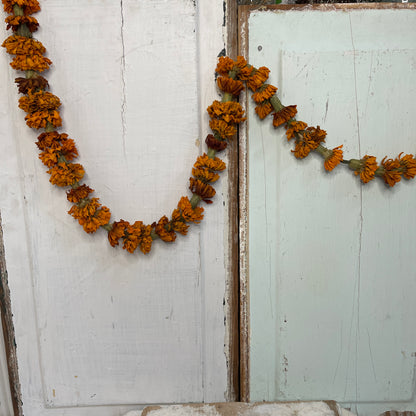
[(58, 151)]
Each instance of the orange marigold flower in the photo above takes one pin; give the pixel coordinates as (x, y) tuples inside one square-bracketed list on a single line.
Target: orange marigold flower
[(205, 175), (39, 101), (117, 232), (76, 194), (392, 173), (28, 6), (366, 168), (215, 144), (65, 174), (164, 230), (51, 139), (230, 111), (303, 147), (31, 84), (84, 209), (224, 66), (49, 157), (204, 190), (264, 109), (315, 134), (93, 223), (39, 119), (187, 213), (284, 115), (264, 93), (407, 165), (13, 22), (230, 85), (257, 78), (137, 235), (334, 158), (33, 62), (180, 227), (294, 127), (21, 45), (245, 73), (215, 164), (223, 129)]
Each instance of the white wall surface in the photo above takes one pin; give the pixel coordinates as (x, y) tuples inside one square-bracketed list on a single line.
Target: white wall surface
[(100, 331), (332, 265)]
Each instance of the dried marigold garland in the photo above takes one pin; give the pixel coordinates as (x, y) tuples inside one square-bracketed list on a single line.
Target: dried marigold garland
[(57, 150)]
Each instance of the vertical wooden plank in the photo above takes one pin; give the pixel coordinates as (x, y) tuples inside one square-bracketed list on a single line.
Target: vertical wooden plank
[(320, 263), (98, 331)]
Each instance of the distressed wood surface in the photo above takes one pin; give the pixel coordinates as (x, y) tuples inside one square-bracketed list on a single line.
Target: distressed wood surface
[(331, 262), (99, 331)]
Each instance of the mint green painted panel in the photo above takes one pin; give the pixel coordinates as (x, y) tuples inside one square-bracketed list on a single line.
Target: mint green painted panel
[(332, 264)]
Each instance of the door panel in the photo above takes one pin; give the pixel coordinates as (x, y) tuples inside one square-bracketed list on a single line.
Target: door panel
[(99, 331), (331, 262)]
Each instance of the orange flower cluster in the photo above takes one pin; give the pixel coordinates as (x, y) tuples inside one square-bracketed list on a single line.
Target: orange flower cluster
[(90, 214), (13, 22), (204, 172), (133, 236), (41, 107), (333, 159), (56, 148), (308, 140), (224, 118), (28, 6), (28, 52)]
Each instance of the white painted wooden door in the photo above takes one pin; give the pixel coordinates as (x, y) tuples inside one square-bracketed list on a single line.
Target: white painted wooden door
[(332, 266), (100, 331)]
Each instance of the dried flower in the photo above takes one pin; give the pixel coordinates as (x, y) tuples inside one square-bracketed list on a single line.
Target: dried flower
[(303, 147), (66, 174), (50, 140), (224, 66), (223, 129), (28, 6), (366, 168), (230, 111), (31, 84), (205, 175), (391, 172), (39, 119), (118, 231), (264, 109), (334, 158), (407, 165), (75, 195), (257, 78), (204, 190), (265, 92), (39, 101), (230, 85), (284, 115), (164, 230), (215, 164), (187, 213), (215, 144), (21, 45), (33, 62), (13, 22), (293, 127)]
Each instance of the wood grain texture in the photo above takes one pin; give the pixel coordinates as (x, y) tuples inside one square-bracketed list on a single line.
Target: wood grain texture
[(100, 331)]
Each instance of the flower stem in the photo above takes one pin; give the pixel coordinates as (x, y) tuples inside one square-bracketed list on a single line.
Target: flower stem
[(195, 200), (276, 103)]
